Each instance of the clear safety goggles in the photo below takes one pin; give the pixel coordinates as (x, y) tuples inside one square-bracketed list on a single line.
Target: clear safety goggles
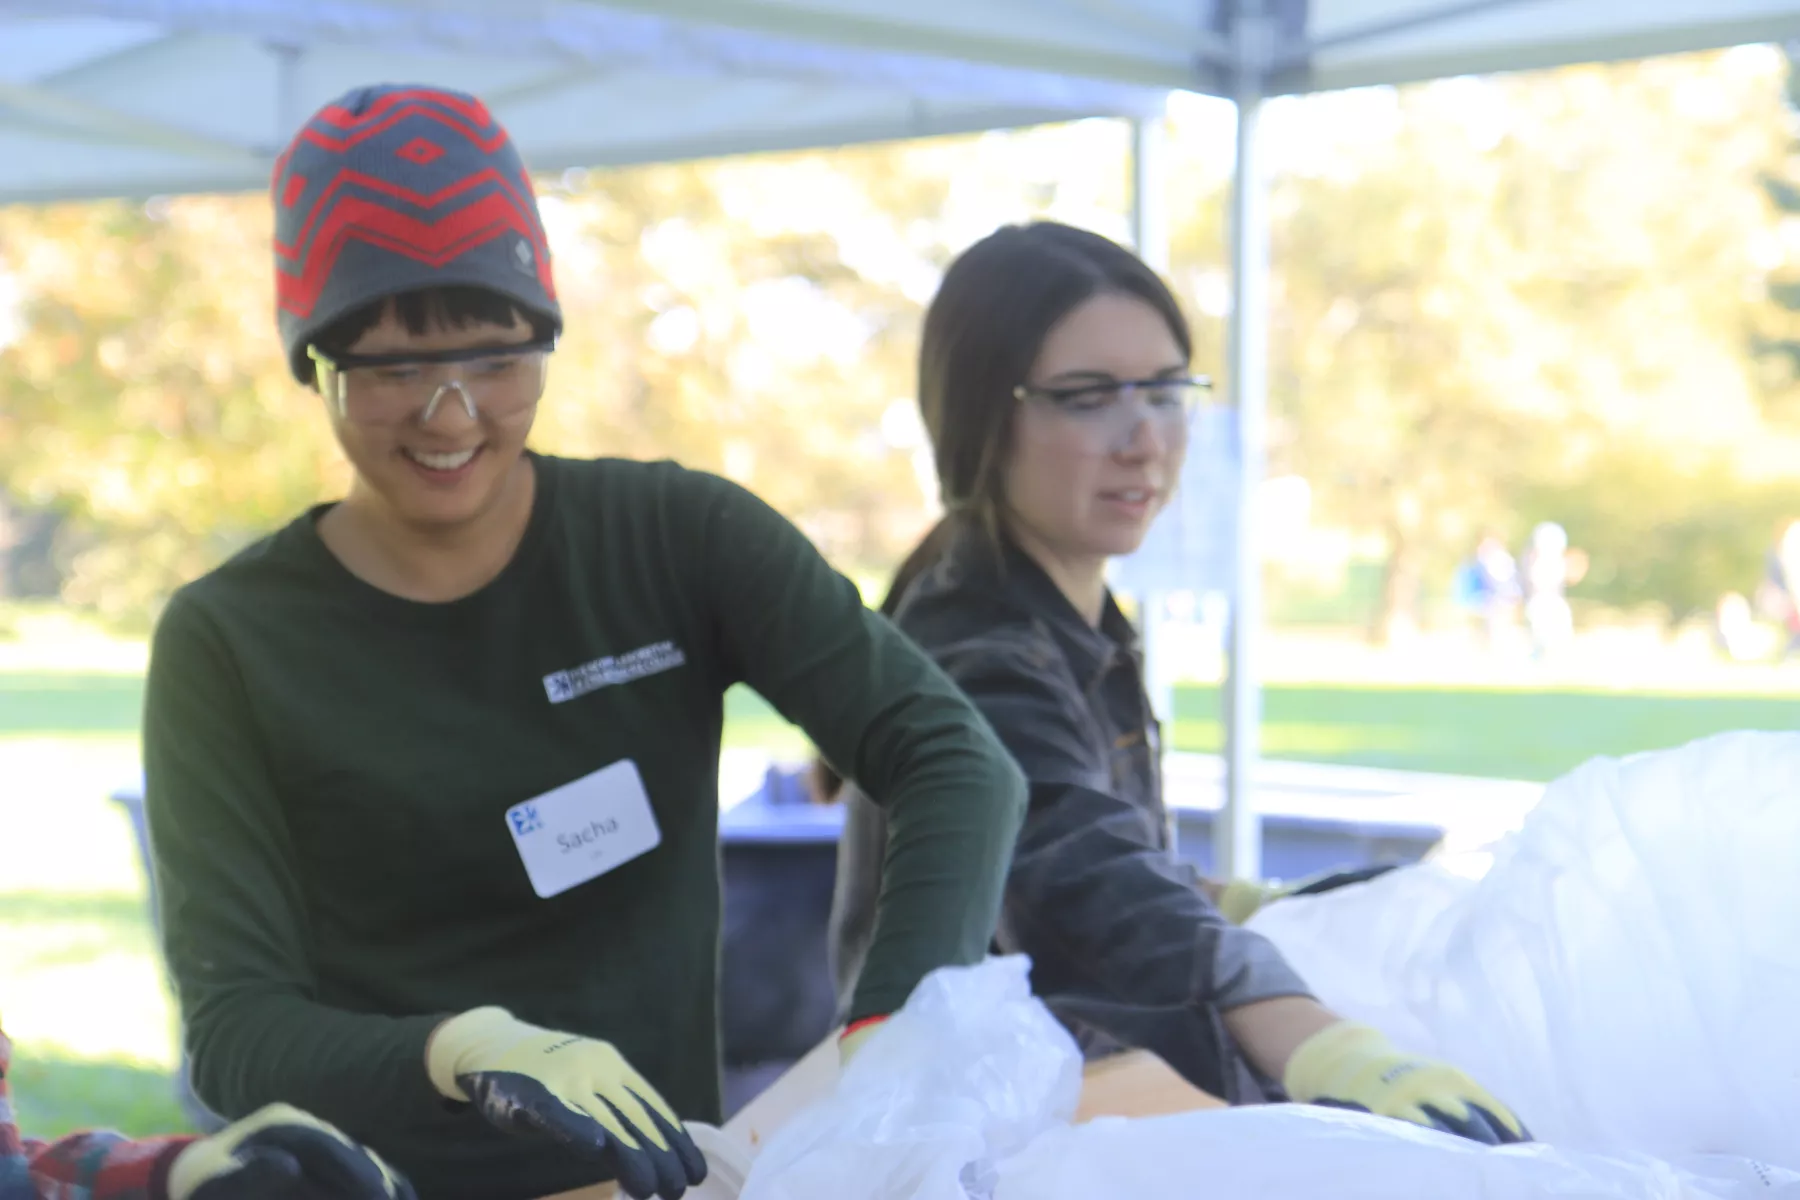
[(1109, 412), (387, 389)]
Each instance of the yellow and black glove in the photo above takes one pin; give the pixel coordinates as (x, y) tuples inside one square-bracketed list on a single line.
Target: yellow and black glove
[(1355, 1066), (578, 1091), (281, 1153), (1242, 899)]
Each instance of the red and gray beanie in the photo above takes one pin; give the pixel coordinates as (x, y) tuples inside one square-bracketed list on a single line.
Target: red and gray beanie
[(391, 189)]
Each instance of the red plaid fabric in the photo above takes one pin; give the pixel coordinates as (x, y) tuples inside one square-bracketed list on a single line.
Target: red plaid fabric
[(82, 1166)]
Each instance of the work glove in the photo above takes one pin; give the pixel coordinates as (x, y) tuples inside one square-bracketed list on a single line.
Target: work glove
[(578, 1091), (281, 1153), (1355, 1066), (855, 1035), (1242, 899)]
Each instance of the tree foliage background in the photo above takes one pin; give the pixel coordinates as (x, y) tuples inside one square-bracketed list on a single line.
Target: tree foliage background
[(1531, 298), (1549, 296)]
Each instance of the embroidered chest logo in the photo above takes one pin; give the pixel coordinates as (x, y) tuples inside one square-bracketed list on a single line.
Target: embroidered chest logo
[(653, 659)]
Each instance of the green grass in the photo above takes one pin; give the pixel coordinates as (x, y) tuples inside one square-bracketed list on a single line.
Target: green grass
[(1496, 733), (73, 927), (81, 987), (93, 1043), (66, 703), (1499, 733), (61, 1093)]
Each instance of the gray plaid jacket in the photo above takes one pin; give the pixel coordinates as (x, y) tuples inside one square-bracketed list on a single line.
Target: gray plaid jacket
[(1125, 949)]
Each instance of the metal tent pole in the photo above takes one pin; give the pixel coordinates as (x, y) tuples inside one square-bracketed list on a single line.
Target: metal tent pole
[(1149, 191), (289, 102), (1150, 235), (1237, 834)]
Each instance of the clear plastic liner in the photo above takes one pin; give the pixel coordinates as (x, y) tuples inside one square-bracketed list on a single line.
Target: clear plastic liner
[(1626, 976)]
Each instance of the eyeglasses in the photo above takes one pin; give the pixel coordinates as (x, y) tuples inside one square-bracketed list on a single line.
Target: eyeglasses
[(387, 389), (1110, 411)]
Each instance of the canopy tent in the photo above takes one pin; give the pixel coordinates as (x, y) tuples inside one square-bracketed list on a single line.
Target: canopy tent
[(101, 97), (131, 97), (139, 97)]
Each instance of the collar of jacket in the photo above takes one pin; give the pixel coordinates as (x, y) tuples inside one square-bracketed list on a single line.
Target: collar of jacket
[(1008, 574)]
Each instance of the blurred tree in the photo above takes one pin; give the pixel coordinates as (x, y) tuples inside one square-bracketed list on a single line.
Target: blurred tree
[(1483, 290), (1481, 285), (144, 394), (1776, 339), (713, 319), (1391, 278), (1670, 535), (756, 318)]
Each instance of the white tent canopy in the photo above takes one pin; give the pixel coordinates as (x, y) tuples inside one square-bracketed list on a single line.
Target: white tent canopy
[(103, 97), (134, 97)]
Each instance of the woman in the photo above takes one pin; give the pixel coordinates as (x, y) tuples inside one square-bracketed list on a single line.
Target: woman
[(1054, 381), (276, 1153), (432, 772)]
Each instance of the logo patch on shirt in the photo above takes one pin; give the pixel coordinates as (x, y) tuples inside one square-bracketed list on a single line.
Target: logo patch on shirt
[(653, 659)]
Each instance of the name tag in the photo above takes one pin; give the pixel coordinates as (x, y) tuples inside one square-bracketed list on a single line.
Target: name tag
[(584, 829)]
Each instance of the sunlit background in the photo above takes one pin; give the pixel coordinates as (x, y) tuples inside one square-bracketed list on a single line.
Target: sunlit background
[(1570, 296)]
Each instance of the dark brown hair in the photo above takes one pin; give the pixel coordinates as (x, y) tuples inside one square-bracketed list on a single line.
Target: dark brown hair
[(996, 305), (452, 306)]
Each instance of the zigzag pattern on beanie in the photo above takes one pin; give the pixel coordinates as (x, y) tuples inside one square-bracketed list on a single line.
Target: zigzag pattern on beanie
[(391, 189)]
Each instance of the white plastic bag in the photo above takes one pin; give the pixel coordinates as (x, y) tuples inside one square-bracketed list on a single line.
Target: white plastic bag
[(1627, 974), (966, 1095), (1289, 1152), (968, 1073), (1355, 946)]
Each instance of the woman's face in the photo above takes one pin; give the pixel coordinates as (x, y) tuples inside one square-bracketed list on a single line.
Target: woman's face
[(1090, 467)]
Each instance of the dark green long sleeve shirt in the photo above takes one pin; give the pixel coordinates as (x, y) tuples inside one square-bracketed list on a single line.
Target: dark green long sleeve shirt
[(329, 769)]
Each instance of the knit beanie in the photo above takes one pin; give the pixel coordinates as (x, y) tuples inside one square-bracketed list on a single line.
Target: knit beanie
[(391, 189)]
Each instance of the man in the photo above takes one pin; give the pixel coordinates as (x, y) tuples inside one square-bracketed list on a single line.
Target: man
[(432, 772), (278, 1153)]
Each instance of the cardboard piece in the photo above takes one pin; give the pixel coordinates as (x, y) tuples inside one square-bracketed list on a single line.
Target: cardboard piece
[(800, 1085), (1135, 1084)]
